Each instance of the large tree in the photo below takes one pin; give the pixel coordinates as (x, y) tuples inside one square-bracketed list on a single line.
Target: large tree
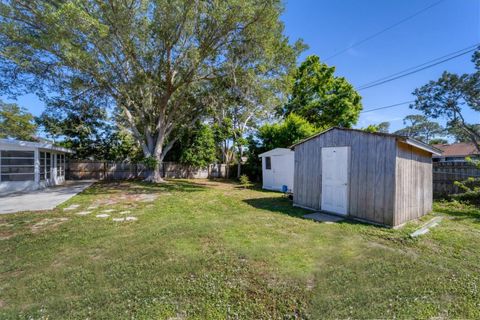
[(322, 98), (154, 60), (449, 97), (79, 124), (16, 122), (419, 127)]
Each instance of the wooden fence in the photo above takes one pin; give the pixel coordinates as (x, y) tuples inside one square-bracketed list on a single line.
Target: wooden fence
[(446, 173), (105, 170)]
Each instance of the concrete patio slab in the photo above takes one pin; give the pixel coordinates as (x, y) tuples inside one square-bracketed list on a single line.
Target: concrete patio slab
[(323, 217), (45, 199)]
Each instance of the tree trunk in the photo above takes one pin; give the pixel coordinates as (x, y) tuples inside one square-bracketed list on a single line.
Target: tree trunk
[(239, 162), (155, 174)]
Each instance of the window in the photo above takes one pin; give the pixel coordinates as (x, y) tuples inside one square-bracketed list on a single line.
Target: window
[(45, 165), (268, 163), (60, 165), (17, 165)]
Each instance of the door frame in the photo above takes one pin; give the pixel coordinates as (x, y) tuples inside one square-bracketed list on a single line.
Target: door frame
[(347, 205)]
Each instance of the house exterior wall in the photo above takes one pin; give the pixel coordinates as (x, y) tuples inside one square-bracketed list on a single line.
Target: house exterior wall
[(414, 183), (8, 187), (371, 177)]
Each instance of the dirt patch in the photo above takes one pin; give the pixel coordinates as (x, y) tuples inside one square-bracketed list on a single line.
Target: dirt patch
[(47, 223), (2, 304), (5, 235), (406, 251)]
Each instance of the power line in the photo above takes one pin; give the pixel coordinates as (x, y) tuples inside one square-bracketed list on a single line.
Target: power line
[(389, 106), (420, 65), (418, 68), (376, 34)]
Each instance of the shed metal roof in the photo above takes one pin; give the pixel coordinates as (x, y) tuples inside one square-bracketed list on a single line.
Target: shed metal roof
[(407, 140), (275, 152), (29, 144)]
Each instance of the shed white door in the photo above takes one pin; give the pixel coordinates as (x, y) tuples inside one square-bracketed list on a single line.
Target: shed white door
[(268, 172), (335, 180)]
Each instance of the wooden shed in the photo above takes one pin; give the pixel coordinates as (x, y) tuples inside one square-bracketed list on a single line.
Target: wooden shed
[(376, 177)]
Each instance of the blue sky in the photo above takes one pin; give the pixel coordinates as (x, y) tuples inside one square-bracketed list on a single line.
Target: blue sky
[(328, 26)]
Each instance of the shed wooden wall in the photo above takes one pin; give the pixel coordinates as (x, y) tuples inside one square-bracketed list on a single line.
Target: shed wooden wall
[(372, 173), (414, 184)]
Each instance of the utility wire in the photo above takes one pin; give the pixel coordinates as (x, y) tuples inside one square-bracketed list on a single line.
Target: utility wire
[(418, 68), (376, 34), (389, 106)]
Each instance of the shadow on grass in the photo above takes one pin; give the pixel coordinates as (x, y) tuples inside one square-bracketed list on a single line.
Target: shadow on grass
[(285, 206), (469, 213), (281, 205)]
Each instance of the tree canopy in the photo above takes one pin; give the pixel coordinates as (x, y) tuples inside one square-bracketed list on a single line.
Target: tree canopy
[(16, 122), (383, 127), (419, 127), (276, 135), (154, 60), (322, 98), (80, 124), (200, 152), (449, 97)]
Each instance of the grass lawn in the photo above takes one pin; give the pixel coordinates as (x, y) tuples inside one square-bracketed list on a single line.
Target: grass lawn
[(211, 250)]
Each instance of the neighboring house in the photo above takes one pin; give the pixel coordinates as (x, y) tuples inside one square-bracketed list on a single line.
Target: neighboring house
[(277, 169), (456, 152), (376, 177), (26, 166)]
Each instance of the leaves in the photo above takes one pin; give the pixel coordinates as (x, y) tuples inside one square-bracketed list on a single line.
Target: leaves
[(449, 97), (420, 128), (321, 98), (155, 61), (16, 122)]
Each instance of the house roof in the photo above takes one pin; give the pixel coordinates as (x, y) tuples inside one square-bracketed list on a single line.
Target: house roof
[(462, 149), (275, 152), (29, 144), (407, 140)]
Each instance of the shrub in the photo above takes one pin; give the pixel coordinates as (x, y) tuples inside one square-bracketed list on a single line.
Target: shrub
[(244, 181), (470, 197)]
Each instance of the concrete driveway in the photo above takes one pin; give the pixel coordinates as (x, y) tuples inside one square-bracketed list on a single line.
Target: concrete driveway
[(45, 199)]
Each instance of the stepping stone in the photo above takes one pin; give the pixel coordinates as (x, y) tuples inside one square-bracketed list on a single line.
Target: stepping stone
[(426, 227), (108, 210), (92, 207), (148, 197), (124, 212), (323, 217), (71, 207), (83, 213), (118, 219), (131, 218), (103, 215)]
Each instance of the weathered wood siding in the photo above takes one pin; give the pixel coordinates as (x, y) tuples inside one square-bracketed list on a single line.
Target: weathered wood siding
[(371, 178), (414, 185)]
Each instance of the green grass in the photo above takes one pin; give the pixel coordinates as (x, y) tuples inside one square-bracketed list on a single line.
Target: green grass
[(211, 250)]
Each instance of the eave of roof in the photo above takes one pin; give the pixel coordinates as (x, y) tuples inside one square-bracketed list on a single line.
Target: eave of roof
[(407, 140), (39, 145), (275, 151)]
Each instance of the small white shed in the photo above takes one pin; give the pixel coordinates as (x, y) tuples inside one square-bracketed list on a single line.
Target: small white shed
[(277, 169)]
